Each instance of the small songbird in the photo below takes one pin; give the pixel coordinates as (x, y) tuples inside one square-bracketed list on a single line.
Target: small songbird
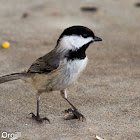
[(60, 68)]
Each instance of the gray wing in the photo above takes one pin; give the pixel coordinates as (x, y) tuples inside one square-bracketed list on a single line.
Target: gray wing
[(45, 64)]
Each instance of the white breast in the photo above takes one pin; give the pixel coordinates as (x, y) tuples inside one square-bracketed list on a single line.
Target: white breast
[(75, 67), (62, 77), (72, 70)]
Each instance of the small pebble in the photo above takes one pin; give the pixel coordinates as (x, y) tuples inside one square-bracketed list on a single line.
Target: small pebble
[(98, 138), (89, 9), (25, 15), (131, 120), (90, 129), (5, 45), (137, 4)]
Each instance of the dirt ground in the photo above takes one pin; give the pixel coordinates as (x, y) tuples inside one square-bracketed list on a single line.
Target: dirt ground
[(107, 93)]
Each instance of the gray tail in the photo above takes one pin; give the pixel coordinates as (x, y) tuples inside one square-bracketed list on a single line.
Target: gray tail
[(13, 76)]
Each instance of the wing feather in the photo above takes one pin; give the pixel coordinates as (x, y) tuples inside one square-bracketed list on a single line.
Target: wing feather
[(45, 64)]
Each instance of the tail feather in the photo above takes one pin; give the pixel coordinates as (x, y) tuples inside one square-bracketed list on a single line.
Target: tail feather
[(13, 76)]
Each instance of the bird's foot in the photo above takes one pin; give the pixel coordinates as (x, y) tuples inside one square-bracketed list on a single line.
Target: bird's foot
[(73, 114), (38, 119)]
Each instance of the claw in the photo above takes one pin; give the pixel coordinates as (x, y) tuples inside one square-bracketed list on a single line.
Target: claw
[(78, 115), (37, 118), (73, 114), (68, 110)]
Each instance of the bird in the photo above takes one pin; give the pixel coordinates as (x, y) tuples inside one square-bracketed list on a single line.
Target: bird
[(59, 68)]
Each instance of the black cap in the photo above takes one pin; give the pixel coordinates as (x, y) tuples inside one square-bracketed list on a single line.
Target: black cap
[(78, 30)]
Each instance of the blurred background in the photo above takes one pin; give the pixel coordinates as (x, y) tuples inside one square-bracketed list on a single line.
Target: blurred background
[(107, 93)]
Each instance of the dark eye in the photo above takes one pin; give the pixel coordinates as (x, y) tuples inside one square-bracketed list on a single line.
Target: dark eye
[(85, 35)]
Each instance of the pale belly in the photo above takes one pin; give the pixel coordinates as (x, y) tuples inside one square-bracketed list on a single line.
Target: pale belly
[(61, 78)]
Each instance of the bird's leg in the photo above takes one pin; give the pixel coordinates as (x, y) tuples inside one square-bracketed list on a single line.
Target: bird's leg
[(74, 110), (37, 116)]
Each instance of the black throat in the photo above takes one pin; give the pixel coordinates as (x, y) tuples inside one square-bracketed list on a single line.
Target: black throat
[(78, 54)]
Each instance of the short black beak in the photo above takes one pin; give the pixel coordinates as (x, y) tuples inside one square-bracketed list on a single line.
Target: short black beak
[(97, 39)]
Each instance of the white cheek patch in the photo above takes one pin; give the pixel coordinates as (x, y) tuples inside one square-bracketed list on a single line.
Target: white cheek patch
[(74, 42)]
